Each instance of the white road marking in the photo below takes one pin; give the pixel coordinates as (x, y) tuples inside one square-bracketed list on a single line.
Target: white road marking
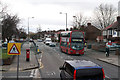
[(107, 77), (32, 73), (36, 74), (41, 56), (15, 76)]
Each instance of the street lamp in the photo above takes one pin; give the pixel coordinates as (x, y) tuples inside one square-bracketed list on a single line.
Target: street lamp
[(76, 20), (28, 26), (66, 18)]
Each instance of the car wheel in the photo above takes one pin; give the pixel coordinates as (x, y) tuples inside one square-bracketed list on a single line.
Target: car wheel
[(61, 50)]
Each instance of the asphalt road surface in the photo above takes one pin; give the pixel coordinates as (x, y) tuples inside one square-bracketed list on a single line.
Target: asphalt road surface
[(51, 59)]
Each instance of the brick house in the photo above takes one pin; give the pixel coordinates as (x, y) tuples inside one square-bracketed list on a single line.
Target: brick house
[(112, 32), (91, 32)]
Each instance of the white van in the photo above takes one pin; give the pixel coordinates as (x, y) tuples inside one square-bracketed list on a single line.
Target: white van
[(47, 41)]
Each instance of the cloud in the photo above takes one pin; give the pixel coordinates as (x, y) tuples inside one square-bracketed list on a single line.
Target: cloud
[(46, 12)]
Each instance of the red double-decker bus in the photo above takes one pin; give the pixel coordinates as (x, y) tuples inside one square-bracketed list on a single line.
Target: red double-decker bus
[(72, 42)]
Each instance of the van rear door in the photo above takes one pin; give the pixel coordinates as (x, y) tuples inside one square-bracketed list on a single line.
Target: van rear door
[(89, 74)]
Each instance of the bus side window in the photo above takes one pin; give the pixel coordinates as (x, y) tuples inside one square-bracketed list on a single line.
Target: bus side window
[(69, 45), (64, 44)]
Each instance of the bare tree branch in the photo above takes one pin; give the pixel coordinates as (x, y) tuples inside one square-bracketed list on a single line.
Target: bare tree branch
[(105, 15), (79, 20)]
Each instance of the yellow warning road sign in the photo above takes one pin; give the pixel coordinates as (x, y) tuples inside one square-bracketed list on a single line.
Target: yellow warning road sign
[(14, 48)]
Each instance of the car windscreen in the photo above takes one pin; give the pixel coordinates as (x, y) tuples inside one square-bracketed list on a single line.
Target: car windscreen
[(89, 74), (48, 40)]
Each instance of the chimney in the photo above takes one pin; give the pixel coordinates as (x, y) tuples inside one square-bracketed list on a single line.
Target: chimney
[(88, 24), (118, 19)]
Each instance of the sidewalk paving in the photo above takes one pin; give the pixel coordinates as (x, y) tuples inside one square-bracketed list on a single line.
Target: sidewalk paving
[(112, 59), (23, 64)]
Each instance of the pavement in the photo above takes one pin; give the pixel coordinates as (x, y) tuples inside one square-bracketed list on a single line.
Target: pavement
[(23, 64), (112, 59)]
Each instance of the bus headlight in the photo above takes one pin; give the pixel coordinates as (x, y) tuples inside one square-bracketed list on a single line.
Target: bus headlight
[(73, 47)]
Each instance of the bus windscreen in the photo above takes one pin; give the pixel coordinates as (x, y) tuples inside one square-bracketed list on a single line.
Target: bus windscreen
[(77, 35)]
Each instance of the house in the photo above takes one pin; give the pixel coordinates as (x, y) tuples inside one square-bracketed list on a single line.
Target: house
[(112, 32), (91, 32)]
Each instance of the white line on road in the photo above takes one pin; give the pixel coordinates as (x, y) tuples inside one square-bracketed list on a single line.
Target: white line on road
[(15, 76), (108, 77), (41, 56), (32, 73), (36, 74)]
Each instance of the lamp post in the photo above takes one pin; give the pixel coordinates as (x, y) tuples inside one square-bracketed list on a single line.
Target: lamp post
[(28, 27), (76, 20), (66, 19)]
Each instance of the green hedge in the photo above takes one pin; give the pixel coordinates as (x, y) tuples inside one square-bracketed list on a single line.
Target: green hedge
[(3, 54)]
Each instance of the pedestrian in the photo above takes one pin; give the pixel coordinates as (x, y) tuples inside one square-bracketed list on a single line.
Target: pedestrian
[(107, 50)]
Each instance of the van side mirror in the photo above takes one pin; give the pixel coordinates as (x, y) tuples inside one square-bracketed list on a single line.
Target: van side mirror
[(62, 68)]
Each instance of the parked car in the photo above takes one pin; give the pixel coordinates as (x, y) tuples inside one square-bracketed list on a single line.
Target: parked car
[(81, 70), (11, 41), (4, 45), (47, 42), (31, 40), (113, 45), (39, 40), (52, 44)]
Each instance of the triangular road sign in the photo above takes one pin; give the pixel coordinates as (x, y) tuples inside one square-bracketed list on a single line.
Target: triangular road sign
[(14, 50)]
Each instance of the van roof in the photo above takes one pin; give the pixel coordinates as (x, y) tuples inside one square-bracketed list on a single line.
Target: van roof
[(81, 64)]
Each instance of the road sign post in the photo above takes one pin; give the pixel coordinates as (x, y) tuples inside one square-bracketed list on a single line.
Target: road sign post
[(14, 49), (18, 68)]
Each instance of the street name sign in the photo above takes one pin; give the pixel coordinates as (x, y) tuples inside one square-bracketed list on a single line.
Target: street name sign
[(14, 48)]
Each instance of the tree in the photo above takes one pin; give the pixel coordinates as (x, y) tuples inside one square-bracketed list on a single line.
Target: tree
[(104, 15), (22, 33), (3, 10), (79, 20), (9, 26)]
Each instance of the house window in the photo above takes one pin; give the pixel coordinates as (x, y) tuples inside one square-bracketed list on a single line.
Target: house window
[(109, 32), (112, 32), (118, 33), (104, 33)]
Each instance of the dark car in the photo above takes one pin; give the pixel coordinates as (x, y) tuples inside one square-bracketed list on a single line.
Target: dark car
[(81, 70), (4, 45)]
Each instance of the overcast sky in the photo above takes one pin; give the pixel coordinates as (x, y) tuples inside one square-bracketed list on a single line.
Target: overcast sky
[(46, 12)]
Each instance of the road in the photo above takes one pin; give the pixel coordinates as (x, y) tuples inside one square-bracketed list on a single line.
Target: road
[(51, 59)]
